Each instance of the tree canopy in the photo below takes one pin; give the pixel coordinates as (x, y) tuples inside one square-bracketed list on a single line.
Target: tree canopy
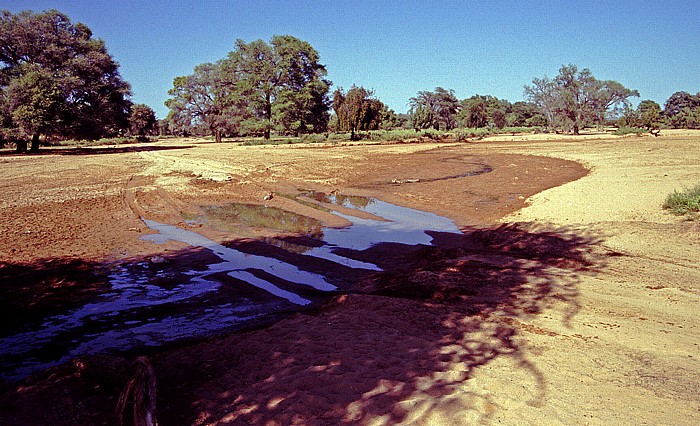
[(57, 80), (683, 110), (201, 99), (575, 98), (437, 109), (258, 87), (358, 110), (142, 121)]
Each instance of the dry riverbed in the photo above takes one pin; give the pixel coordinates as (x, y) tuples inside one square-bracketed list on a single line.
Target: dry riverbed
[(569, 297)]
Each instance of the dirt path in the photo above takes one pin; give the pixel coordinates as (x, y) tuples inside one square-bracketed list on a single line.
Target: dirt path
[(578, 309)]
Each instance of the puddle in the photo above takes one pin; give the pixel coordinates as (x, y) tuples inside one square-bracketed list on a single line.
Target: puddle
[(151, 303), (231, 217)]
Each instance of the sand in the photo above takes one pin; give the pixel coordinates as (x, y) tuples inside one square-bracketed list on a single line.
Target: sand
[(570, 298)]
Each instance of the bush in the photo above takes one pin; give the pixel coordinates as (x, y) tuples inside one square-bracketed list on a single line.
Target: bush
[(685, 202), (626, 130), (314, 138)]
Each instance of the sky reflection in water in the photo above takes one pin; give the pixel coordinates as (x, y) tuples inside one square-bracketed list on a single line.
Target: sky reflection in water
[(137, 313)]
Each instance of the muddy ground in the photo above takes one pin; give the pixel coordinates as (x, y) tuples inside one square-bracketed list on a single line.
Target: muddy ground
[(569, 298)]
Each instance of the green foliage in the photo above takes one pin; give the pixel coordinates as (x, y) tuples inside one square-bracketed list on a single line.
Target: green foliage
[(477, 116), (204, 102), (574, 99), (437, 110), (678, 102), (257, 88), (35, 101), (57, 80), (499, 119), (626, 130), (358, 110), (648, 115), (283, 83), (686, 118), (123, 140), (142, 121), (684, 202)]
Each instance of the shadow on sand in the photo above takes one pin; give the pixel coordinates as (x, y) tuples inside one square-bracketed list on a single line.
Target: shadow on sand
[(395, 346)]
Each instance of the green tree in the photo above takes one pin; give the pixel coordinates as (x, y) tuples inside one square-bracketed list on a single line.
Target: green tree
[(436, 109), (680, 100), (207, 98), (682, 110), (287, 72), (648, 115), (476, 115), (543, 94), (575, 98), (35, 101), (521, 112), (499, 119), (609, 96), (575, 92), (687, 118), (358, 110), (58, 80), (142, 121)]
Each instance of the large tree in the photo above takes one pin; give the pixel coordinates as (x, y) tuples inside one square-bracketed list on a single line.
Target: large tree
[(57, 80), (649, 115), (283, 77), (575, 98), (543, 94), (357, 110), (610, 96), (683, 110), (204, 99), (436, 109), (480, 110), (142, 121)]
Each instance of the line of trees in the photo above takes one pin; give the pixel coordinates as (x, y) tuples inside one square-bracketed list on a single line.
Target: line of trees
[(57, 81)]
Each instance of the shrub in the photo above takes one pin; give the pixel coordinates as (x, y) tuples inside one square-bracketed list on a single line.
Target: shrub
[(685, 202), (314, 138), (625, 130)]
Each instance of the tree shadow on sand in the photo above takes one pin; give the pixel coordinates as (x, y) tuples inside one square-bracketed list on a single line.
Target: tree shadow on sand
[(398, 346), (403, 346)]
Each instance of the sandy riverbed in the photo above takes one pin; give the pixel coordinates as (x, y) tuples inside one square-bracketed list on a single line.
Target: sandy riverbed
[(570, 298)]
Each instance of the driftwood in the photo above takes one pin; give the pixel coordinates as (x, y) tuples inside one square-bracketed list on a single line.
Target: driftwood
[(400, 181), (140, 391)]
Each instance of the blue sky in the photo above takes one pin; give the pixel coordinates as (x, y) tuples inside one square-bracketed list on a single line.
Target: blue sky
[(398, 48)]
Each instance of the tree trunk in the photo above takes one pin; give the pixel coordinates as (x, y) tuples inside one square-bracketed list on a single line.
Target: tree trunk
[(35, 143), (576, 130), (268, 116), (217, 135), (21, 146)]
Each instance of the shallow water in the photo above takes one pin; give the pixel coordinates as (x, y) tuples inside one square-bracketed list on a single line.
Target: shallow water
[(228, 292)]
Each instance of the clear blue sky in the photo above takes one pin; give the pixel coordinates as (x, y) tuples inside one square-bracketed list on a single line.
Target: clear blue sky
[(398, 48)]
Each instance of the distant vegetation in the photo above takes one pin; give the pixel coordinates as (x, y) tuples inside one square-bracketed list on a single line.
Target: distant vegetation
[(59, 83), (574, 99), (685, 202)]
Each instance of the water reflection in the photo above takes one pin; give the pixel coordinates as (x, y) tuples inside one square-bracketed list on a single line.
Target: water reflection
[(151, 303), (231, 216)]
